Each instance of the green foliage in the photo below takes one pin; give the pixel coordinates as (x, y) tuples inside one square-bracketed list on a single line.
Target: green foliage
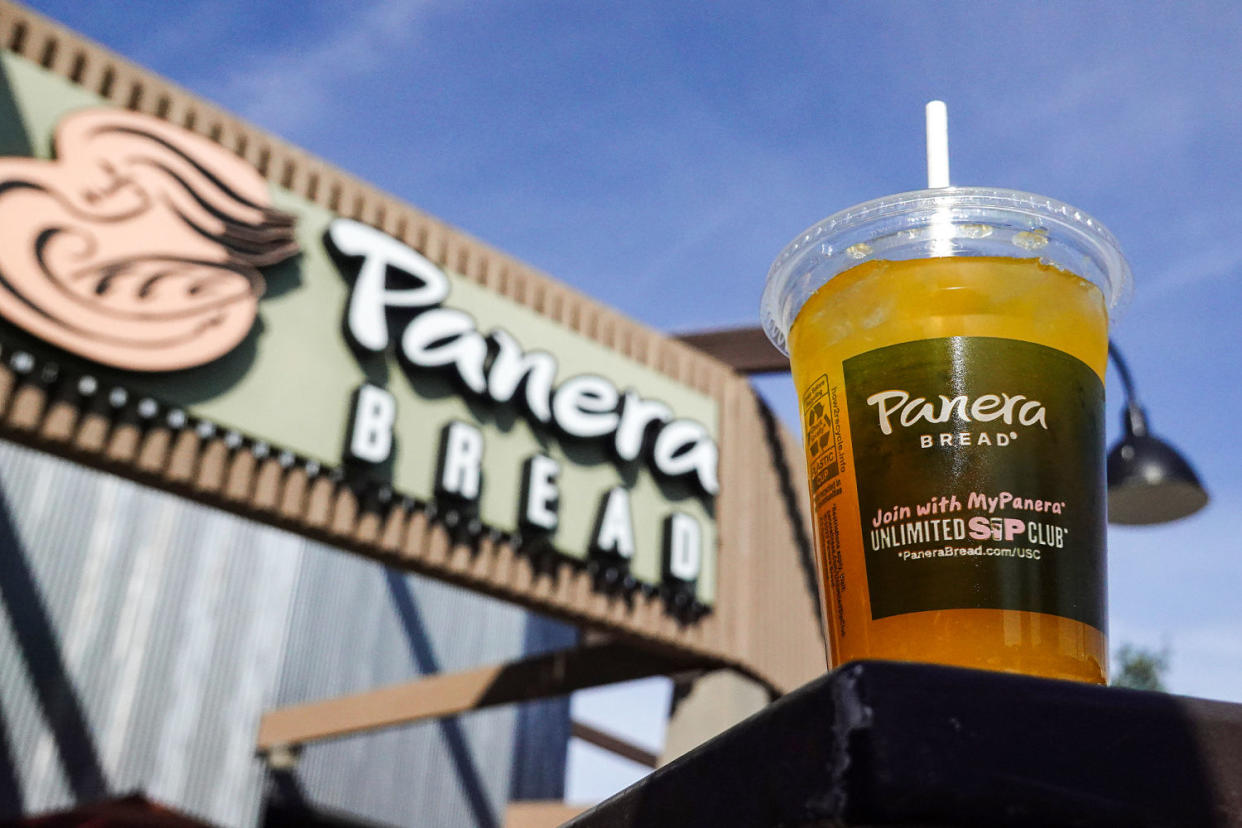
[(1139, 668)]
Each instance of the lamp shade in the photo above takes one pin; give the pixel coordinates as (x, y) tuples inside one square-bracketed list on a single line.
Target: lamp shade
[(1150, 482)]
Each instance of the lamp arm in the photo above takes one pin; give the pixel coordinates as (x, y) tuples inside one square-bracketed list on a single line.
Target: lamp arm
[(1134, 417)]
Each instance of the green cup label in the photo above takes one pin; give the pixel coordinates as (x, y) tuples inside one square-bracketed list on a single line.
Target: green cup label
[(980, 471)]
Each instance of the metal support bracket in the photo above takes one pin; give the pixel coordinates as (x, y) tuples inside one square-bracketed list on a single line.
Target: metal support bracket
[(552, 674)]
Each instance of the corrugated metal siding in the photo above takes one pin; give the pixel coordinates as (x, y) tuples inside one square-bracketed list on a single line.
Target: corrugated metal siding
[(140, 641), (360, 627), (541, 741), (141, 637)]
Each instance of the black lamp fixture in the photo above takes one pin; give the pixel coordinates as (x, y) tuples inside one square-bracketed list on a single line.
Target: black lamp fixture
[(1148, 481)]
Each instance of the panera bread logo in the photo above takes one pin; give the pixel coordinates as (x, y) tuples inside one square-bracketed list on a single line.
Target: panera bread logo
[(139, 247), (897, 405)]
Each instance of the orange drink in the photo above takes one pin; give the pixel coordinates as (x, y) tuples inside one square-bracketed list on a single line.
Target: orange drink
[(948, 348)]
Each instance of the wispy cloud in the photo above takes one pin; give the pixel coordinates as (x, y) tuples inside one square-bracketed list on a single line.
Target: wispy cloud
[(290, 88), (1116, 137), (1195, 267)]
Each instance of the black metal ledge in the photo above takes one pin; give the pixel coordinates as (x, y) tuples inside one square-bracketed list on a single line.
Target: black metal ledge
[(887, 744)]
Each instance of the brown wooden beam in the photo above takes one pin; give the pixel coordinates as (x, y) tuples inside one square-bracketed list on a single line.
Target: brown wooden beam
[(745, 350), (615, 744), (540, 814), (553, 674)]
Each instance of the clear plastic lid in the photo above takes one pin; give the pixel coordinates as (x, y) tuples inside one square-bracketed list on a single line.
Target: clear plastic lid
[(952, 221)]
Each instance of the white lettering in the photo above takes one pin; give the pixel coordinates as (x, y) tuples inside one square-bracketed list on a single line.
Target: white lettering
[(586, 406), (947, 405), (374, 413), (393, 275), (917, 409), (985, 408), (1031, 413), (881, 399), (684, 447), (461, 461), (540, 494), (636, 415), (683, 547), (615, 532), (447, 337), (512, 366), (371, 296)]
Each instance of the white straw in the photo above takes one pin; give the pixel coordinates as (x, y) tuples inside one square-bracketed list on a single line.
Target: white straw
[(937, 145)]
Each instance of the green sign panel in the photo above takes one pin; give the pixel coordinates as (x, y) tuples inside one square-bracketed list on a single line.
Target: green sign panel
[(241, 305)]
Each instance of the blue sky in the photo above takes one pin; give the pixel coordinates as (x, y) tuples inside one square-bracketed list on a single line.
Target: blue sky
[(657, 156)]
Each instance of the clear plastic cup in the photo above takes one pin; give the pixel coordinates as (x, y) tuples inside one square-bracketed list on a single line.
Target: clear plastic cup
[(948, 347)]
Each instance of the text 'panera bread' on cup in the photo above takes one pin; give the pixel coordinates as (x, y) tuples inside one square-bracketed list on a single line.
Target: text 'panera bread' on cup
[(948, 347)]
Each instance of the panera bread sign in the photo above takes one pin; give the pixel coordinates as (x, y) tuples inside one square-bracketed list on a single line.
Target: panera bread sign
[(143, 247)]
